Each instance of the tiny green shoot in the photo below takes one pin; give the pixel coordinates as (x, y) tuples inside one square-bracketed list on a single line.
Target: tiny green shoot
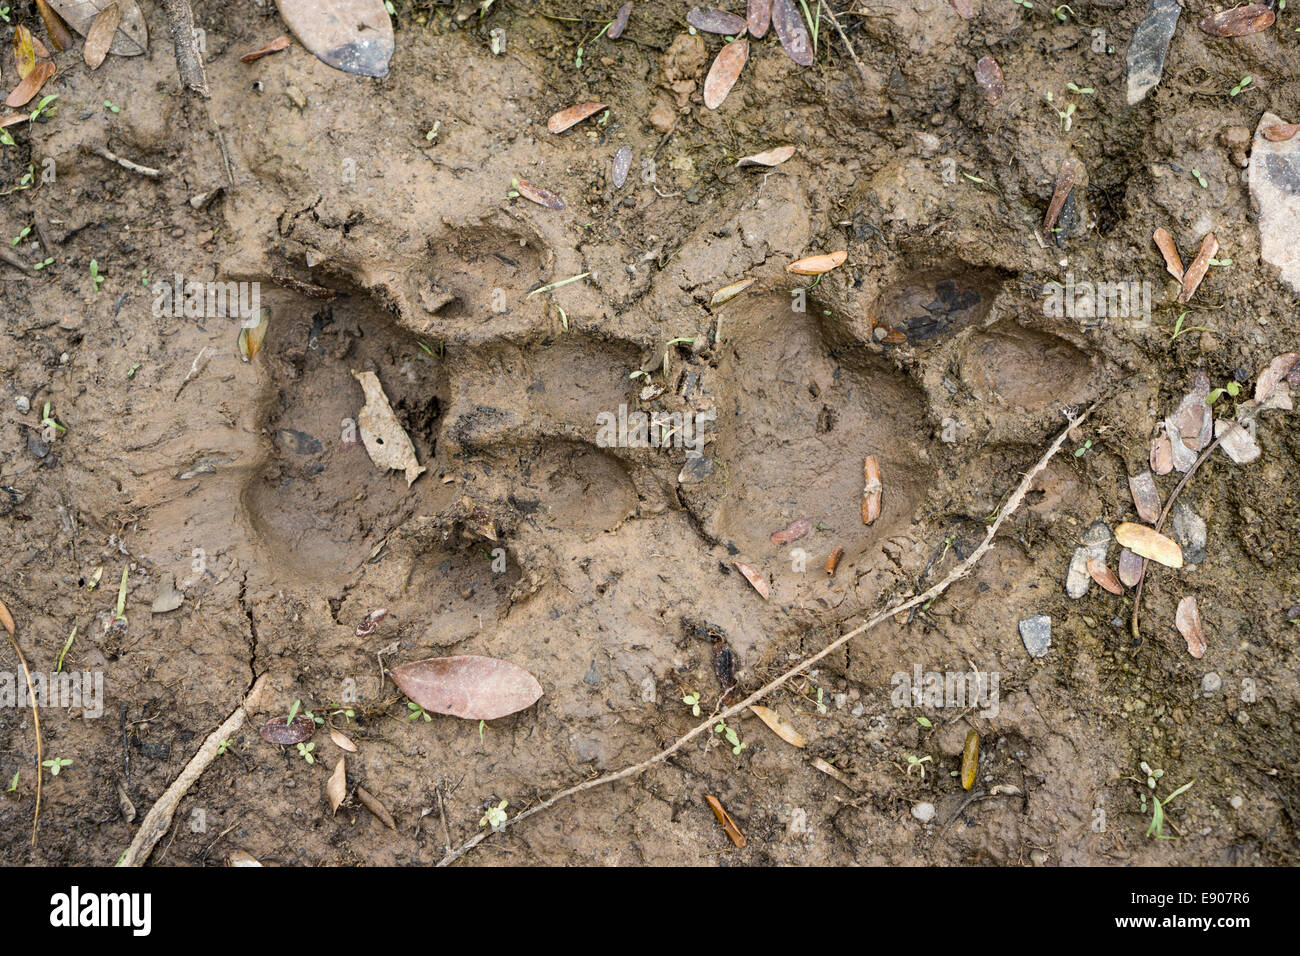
[(56, 764)]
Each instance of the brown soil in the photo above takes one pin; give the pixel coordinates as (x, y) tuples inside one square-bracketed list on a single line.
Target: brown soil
[(618, 579)]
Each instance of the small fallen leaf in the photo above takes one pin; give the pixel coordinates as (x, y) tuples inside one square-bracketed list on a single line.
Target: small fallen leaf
[(275, 46), (622, 163), (779, 726), (1069, 176), (792, 31), (1200, 265), (724, 72), (387, 443), (276, 731), (467, 686), (1146, 498), (1165, 243), (6, 619), (728, 825), (251, 337), (100, 35), (721, 22), (543, 197), (758, 17), (792, 532), (832, 771), (24, 51), (771, 157), (1130, 568), (970, 760), (57, 30), (1239, 22), (355, 36), (1150, 544), (336, 787), (30, 85), (753, 577), (730, 291), (242, 858), (1104, 576), (620, 21), (377, 808), (872, 489), (1272, 388), (132, 38), (1281, 132), (13, 119), (1188, 620), (568, 118), (1162, 455), (963, 8), (342, 741), (1237, 441), (989, 77), (816, 265)]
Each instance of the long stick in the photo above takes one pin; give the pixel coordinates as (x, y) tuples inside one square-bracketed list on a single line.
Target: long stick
[(1014, 502), (7, 619), (189, 61)]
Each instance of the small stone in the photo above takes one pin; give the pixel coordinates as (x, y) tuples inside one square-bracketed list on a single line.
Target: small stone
[(24, 404), (296, 96), (592, 678), (1038, 857), (1146, 52), (1274, 176), (168, 599), (1210, 684), (924, 812), (1235, 137), (1077, 578), (1036, 632), (1209, 343), (1189, 531), (1236, 803)]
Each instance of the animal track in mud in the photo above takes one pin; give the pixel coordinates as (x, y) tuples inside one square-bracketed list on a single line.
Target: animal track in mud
[(1023, 369), (801, 406), (927, 306)]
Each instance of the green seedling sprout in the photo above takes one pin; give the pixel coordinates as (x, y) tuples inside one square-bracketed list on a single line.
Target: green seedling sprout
[(56, 764), (918, 763), (1241, 85), (67, 646), (416, 712), (304, 751), (13, 784), (692, 700), (95, 277), (495, 817), (731, 736)]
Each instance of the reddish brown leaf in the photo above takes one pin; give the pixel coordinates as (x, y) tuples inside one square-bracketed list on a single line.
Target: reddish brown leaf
[(1165, 243), (543, 197), (1162, 455), (1243, 21), (31, 85), (371, 623), (753, 577), (1270, 382), (724, 72), (342, 740), (57, 30), (475, 688), (1104, 576), (792, 31), (276, 731), (24, 50), (792, 532), (728, 824), (1146, 497), (989, 76), (620, 21), (275, 46), (567, 118), (355, 36), (622, 163), (963, 8), (6, 619), (1188, 620), (377, 808), (1069, 176), (758, 16), (872, 490), (132, 37), (100, 35), (13, 119), (1281, 132), (715, 21), (1200, 265), (816, 265)]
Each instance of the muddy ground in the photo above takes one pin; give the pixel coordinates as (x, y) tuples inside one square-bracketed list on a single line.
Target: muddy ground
[(617, 583)]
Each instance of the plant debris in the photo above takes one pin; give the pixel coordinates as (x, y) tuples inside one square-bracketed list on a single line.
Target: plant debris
[(468, 686), (792, 32), (1188, 621), (620, 21), (753, 577), (543, 197), (758, 17), (792, 532), (771, 157), (355, 36), (872, 490), (779, 726), (1239, 22), (387, 443), (710, 20), (275, 46), (285, 733), (568, 118), (728, 824), (724, 72), (989, 77), (622, 163), (1149, 543), (816, 265)]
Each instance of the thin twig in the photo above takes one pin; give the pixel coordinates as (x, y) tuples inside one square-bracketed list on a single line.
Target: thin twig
[(862, 70), (112, 157), (36, 720), (189, 61), (17, 263), (960, 571)]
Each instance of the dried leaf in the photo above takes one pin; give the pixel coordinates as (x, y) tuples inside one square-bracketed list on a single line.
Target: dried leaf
[(753, 577), (1200, 265), (832, 771), (1150, 544), (355, 36), (6, 619), (816, 265), (989, 77), (1188, 620), (276, 731), (57, 30), (1104, 576), (567, 118), (792, 31), (779, 726), (1271, 388), (1130, 568), (377, 808), (792, 532), (39, 48), (275, 46), (13, 119), (31, 85), (251, 337), (242, 858), (132, 38), (1237, 441), (386, 442), (543, 197), (622, 163), (1240, 22), (963, 8), (1146, 498), (1071, 173), (336, 787), (342, 741), (620, 21), (730, 291), (771, 157), (24, 51), (970, 760), (1165, 243), (1162, 455), (724, 72), (728, 824), (711, 20), (1281, 132), (100, 35), (872, 489), (475, 688), (833, 561), (758, 17)]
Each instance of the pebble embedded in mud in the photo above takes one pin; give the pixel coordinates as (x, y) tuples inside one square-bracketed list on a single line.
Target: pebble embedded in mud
[(924, 811), (1189, 531), (1274, 183), (1150, 44), (1036, 632)]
